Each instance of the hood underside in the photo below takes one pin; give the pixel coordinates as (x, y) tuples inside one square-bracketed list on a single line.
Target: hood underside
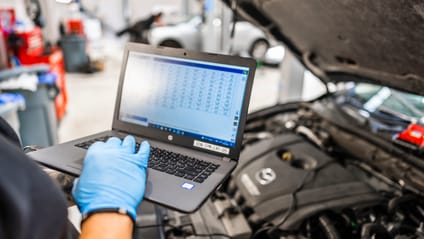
[(380, 41)]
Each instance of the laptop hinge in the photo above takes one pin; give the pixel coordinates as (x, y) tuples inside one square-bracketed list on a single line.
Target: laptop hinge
[(226, 159)]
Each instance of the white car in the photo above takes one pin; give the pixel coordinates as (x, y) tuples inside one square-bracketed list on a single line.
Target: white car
[(188, 35)]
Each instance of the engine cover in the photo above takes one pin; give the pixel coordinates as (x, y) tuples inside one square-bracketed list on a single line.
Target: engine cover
[(270, 170)]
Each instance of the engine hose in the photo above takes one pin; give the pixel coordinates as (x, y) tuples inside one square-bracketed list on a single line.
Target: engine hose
[(371, 230), (394, 203), (328, 227), (410, 229)]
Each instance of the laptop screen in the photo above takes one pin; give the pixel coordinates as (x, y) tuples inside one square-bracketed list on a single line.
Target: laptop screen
[(196, 99)]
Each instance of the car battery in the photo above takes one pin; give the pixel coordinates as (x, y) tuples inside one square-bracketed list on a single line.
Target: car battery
[(412, 138)]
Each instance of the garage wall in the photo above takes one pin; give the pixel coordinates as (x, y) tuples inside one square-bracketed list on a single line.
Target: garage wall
[(141, 9), (112, 12)]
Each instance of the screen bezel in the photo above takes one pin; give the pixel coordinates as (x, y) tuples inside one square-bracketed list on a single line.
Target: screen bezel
[(164, 136)]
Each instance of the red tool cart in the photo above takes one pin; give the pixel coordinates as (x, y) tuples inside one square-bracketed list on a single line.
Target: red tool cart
[(55, 60), (28, 47)]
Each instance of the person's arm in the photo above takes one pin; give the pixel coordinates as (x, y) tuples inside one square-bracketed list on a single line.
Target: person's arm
[(107, 225), (31, 204), (111, 187)]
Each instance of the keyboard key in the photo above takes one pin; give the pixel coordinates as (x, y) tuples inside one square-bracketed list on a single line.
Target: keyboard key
[(188, 172), (199, 180), (214, 166), (198, 166), (173, 167), (171, 171), (203, 163), (204, 175), (189, 177), (210, 169), (188, 168), (159, 168), (207, 173), (163, 165)]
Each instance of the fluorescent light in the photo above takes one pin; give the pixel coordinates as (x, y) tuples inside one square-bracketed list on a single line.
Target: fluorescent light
[(64, 1)]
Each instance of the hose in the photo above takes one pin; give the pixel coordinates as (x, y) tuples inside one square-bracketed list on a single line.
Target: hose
[(372, 230), (328, 227)]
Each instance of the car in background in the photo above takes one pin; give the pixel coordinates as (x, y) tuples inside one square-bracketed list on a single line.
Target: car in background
[(188, 35)]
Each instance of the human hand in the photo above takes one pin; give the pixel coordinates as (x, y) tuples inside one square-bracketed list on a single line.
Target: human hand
[(113, 177)]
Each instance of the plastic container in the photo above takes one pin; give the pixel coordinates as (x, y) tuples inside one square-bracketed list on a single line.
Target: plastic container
[(10, 103), (74, 52), (38, 122)]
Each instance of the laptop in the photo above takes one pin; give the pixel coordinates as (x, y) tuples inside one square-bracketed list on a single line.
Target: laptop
[(190, 106)]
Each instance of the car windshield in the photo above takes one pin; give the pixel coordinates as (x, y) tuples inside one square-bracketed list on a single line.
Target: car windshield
[(194, 21), (376, 98)]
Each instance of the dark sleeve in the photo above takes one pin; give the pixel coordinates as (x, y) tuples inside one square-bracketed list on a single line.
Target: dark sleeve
[(31, 204), (7, 131)]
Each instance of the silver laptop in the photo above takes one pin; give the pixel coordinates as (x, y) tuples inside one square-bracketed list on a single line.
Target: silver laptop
[(190, 106)]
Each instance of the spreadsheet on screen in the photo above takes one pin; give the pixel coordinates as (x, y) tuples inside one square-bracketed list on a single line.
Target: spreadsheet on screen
[(193, 97)]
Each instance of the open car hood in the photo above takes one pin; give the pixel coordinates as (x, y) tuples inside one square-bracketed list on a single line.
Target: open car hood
[(380, 41)]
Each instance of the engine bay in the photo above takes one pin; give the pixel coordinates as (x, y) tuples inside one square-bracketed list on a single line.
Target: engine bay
[(300, 175)]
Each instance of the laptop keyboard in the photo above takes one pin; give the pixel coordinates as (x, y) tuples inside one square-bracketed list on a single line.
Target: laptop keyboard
[(171, 163)]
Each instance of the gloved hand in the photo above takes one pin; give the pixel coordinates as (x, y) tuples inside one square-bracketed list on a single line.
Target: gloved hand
[(113, 176)]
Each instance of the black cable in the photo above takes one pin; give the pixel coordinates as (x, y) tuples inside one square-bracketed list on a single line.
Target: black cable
[(193, 233), (254, 235), (293, 203)]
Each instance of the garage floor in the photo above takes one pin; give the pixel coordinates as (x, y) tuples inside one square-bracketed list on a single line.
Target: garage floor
[(91, 97)]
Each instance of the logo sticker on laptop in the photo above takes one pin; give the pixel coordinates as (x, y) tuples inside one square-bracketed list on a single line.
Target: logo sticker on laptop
[(187, 186), (212, 147)]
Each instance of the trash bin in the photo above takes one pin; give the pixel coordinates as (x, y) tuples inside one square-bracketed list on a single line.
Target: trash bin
[(74, 52), (38, 122), (10, 103)]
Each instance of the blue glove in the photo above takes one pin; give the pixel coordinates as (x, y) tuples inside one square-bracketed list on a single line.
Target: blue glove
[(113, 177)]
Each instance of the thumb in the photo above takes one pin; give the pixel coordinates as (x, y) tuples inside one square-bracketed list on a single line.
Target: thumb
[(74, 188), (144, 153)]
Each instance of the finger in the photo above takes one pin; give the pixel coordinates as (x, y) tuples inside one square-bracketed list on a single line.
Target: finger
[(144, 148), (74, 188), (129, 144), (144, 153), (114, 141)]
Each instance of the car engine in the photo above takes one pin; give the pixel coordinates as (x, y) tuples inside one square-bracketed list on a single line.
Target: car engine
[(301, 175)]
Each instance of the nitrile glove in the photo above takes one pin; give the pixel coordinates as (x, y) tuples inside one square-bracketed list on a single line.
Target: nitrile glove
[(113, 177)]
